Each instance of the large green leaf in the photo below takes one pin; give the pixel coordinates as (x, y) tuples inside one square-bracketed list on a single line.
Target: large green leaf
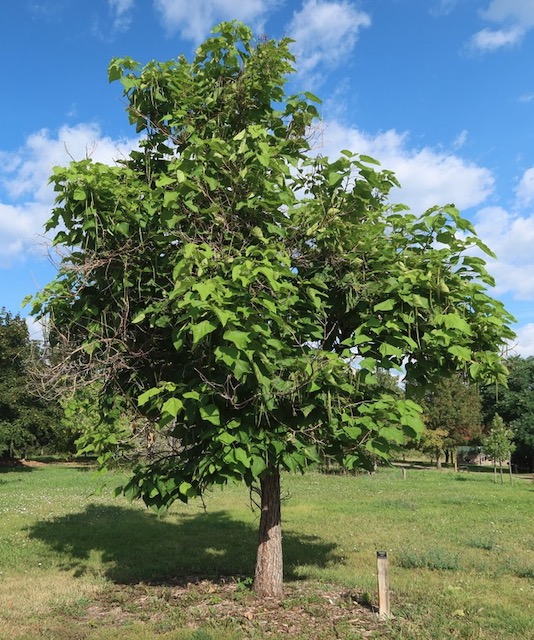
[(172, 406), (210, 413), (241, 339), (202, 329)]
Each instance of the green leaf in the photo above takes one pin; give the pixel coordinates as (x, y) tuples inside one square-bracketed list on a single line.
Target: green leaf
[(139, 317), (353, 432), (368, 363), (369, 160), (312, 97), (169, 197), (242, 457), (223, 315), (387, 305), (455, 321), (474, 370), (241, 339), (202, 329), (392, 434), (257, 466), (187, 489), (164, 180), (123, 228), (334, 178), (463, 353), (114, 71), (241, 368), (172, 406), (147, 395), (205, 289), (210, 413), (226, 438), (390, 350)]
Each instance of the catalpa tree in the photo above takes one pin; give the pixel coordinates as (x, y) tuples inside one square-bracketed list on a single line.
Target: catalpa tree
[(243, 291)]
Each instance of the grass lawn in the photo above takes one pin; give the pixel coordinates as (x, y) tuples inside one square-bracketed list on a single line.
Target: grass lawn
[(76, 563)]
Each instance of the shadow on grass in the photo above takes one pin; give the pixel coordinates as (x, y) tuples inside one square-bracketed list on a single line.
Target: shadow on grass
[(11, 466), (131, 546)]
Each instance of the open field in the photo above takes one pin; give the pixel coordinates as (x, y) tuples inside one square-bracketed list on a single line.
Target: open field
[(76, 563)]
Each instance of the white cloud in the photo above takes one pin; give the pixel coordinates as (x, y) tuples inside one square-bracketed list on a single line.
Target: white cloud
[(443, 7), (511, 237), (525, 187), (24, 174), (524, 343), (325, 33), (489, 39), (515, 17), (121, 13), (195, 19), (518, 11), (460, 139), (20, 227), (427, 176)]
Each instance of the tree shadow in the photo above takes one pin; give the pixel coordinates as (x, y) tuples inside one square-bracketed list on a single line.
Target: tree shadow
[(13, 466), (131, 546)]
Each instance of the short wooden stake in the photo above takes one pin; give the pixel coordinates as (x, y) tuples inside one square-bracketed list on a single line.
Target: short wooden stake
[(403, 473), (383, 585)]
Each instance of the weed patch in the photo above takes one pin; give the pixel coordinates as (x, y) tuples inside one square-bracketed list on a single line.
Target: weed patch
[(433, 559), (487, 544)]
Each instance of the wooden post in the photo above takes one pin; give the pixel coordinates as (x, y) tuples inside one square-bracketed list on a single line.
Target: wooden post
[(403, 473), (383, 585)]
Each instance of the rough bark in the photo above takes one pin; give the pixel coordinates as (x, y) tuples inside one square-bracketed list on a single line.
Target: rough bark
[(268, 581)]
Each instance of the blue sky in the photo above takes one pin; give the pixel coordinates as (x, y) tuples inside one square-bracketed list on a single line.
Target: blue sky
[(440, 91)]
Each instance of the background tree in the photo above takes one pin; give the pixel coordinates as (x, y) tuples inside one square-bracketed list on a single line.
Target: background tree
[(27, 423), (498, 444), (515, 404), (433, 442), (223, 280), (453, 407)]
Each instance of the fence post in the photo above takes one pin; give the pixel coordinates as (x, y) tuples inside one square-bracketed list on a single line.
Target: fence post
[(383, 585)]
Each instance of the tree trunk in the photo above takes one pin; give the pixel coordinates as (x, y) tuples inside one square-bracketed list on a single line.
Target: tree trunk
[(268, 580)]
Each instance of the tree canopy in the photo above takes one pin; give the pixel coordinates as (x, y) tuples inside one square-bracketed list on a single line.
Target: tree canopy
[(452, 411), (514, 403), (27, 423), (243, 291)]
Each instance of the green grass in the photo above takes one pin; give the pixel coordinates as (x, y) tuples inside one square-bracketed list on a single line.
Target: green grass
[(76, 563)]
